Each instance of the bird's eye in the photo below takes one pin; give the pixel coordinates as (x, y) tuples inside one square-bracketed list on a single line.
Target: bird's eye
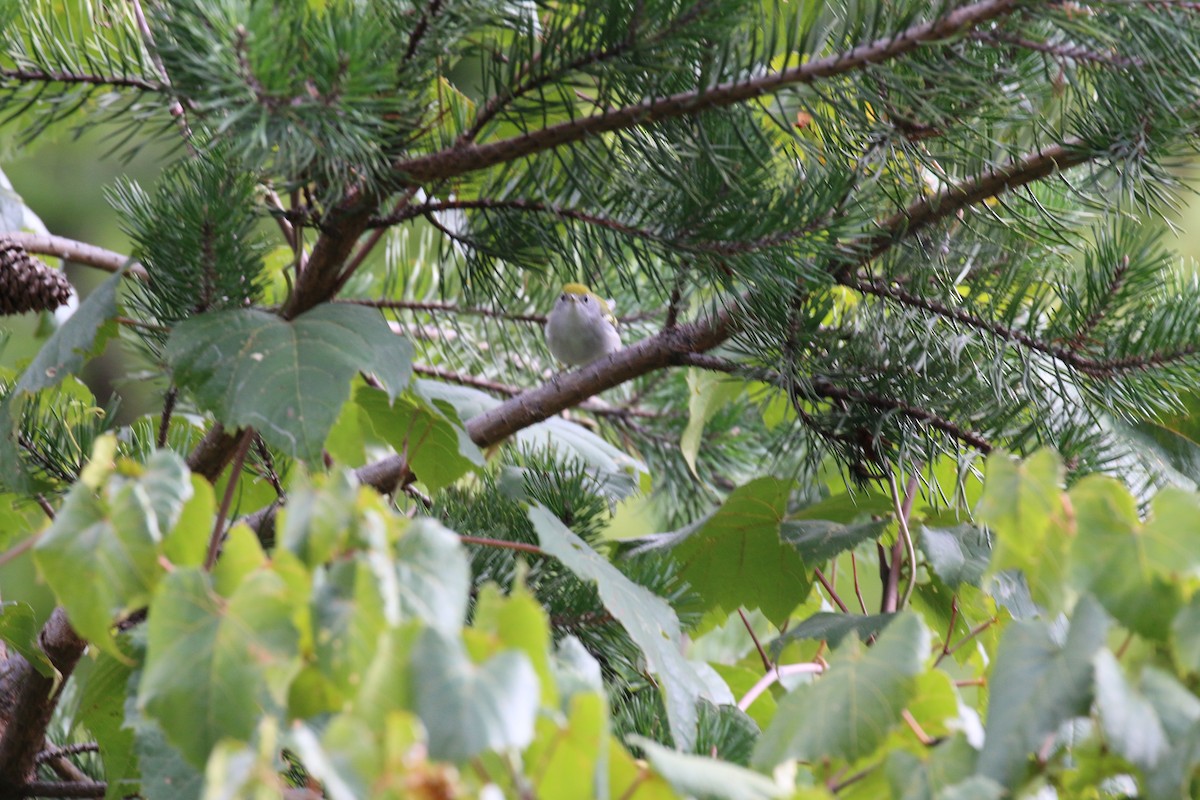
[(587, 299), (564, 297)]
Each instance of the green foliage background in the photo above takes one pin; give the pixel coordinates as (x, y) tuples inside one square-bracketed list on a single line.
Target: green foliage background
[(892, 492)]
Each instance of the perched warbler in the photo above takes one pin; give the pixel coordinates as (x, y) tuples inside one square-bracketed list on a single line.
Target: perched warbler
[(581, 327)]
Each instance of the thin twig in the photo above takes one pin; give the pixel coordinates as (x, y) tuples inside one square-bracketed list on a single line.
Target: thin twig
[(501, 544), (176, 109), (775, 674), (862, 604), (218, 532), (903, 507), (832, 594), (949, 631), (47, 509), (766, 661), (77, 252)]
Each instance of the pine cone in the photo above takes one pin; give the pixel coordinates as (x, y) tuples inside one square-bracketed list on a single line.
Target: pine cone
[(26, 284)]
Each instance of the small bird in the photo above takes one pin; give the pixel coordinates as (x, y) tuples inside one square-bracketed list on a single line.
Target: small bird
[(581, 327)]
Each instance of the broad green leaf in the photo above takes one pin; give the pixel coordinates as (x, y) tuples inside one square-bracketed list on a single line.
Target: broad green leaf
[(101, 556), (575, 669), (185, 544), (568, 760), (959, 554), (736, 558), (833, 628), (845, 507), (355, 760), (1177, 707), (648, 619), (1174, 777), (1038, 683), (977, 787), (1130, 723), (615, 470), (433, 575), (165, 773), (63, 354), (287, 379), (848, 711), (101, 684), (214, 666), (1107, 558), (629, 778), (519, 621), (1022, 504), (1172, 534), (1185, 636), (435, 445), (818, 540), (168, 487), (19, 629), (470, 709), (320, 517), (940, 767), (348, 620), (698, 776), (708, 393)]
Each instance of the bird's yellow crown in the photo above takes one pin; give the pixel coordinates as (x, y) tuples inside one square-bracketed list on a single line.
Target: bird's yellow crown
[(579, 290)]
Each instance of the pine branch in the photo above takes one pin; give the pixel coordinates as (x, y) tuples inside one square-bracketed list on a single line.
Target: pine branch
[(79, 79), (1063, 52), (1092, 367), (822, 389), (926, 211), (462, 159), (724, 248), (593, 405), (526, 82)]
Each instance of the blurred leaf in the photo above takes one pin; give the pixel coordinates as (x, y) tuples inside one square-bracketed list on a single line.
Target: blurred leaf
[(102, 683), (432, 575), (519, 621), (1107, 558), (1022, 505), (1185, 636), (615, 470), (959, 554), (1130, 723), (212, 665), (1036, 685), (470, 709), (569, 760), (19, 630), (832, 627), (708, 393), (648, 619), (287, 379), (1172, 534), (817, 540), (100, 556), (63, 354), (847, 712), (701, 777), (737, 558), (435, 446)]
